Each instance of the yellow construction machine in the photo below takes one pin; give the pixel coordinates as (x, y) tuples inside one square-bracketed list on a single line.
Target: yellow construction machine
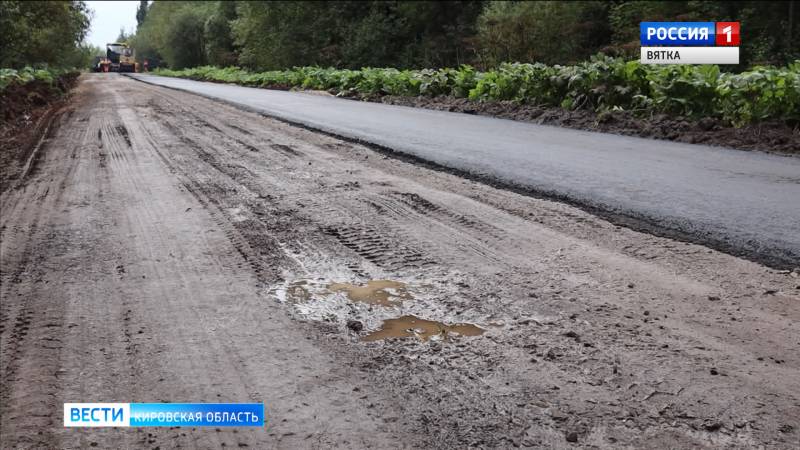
[(120, 57)]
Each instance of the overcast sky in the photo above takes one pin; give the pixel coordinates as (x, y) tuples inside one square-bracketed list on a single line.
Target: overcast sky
[(108, 18)]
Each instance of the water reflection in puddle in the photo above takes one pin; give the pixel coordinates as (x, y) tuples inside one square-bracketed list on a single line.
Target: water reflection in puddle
[(375, 292), (298, 292), (321, 300), (411, 326)]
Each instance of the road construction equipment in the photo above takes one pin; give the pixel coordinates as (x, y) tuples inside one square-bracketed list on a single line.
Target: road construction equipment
[(120, 57)]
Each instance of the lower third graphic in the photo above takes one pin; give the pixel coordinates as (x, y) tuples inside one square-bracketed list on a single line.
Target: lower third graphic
[(164, 415)]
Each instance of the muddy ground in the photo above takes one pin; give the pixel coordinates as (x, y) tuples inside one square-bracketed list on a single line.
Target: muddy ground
[(774, 136), (27, 112), (168, 248)]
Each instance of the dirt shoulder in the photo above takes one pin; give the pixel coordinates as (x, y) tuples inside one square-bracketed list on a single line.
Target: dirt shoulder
[(28, 112), (777, 137)]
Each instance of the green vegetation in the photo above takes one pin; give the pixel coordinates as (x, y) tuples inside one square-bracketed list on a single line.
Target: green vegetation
[(9, 77), (52, 79), (44, 34), (411, 35), (600, 84)]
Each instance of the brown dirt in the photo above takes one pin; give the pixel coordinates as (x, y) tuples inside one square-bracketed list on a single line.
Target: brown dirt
[(775, 137), (173, 248), (28, 112)]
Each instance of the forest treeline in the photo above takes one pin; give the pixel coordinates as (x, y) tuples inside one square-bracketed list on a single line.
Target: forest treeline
[(402, 34), (44, 34), (433, 34)]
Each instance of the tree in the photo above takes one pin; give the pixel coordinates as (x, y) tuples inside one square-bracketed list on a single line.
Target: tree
[(141, 13), (549, 32), (41, 33), (220, 49), (186, 41), (82, 56), (173, 32), (281, 34), (123, 36), (353, 34)]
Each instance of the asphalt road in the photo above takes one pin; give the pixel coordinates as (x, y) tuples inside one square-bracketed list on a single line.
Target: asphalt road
[(745, 203)]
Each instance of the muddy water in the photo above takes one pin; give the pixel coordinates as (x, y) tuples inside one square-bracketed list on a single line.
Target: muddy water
[(375, 292), (387, 293), (410, 326), (298, 291)]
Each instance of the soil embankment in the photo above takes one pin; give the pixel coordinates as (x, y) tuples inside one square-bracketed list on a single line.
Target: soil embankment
[(28, 111)]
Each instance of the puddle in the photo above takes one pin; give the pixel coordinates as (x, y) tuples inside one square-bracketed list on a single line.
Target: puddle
[(410, 326), (375, 292), (298, 292)]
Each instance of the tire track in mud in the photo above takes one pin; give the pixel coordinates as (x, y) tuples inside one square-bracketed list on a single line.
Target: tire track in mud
[(195, 188), (200, 189), (451, 229), (382, 251), (23, 251), (33, 347), (366, 241), (212, 195)]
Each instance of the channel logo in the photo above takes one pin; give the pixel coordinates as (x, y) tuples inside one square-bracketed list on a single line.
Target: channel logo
[(97, 414), (164, 414), (727, 34), (689, 42)]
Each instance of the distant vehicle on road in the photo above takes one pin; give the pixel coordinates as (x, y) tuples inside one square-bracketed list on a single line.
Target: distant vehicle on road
[(120, 57)]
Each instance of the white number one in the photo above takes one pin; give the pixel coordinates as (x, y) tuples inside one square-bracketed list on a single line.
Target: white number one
[(727, 30)]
